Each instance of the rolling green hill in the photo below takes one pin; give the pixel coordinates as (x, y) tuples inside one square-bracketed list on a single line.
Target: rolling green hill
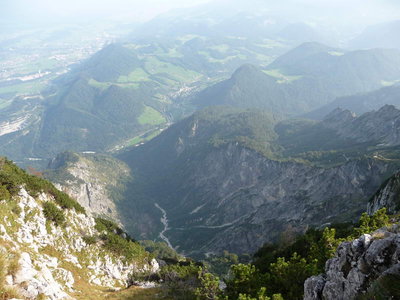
[(248, 87), (110, 63)]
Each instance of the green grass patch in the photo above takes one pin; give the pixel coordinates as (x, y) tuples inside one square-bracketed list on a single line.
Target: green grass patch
[(155, 66), (276, 73), (100, 85), (336, 53), (31, 87), (270, 44), (136, 75), (144, 137), (150, 116), (389, 83), (105, 85), (223, 48), (224, 60)]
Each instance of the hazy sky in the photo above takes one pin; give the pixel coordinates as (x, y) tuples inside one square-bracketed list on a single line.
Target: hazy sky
[(140, 10)]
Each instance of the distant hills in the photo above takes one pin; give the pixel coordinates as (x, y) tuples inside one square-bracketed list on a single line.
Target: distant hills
[(249, 87), (127, 93), (385, 35), (304, 78), (124, 94), (361, 103), (111, 62)]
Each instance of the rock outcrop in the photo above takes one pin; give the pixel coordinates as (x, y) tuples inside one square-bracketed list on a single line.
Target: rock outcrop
[(381, 126), (357, 267), (44, 259), (387, 196), (242, 199), (95, 181)]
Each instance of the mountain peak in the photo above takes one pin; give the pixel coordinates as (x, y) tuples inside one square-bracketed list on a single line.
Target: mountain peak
[(111, 62), (300, 53), (339, 115), (246, 69), (388, 108)]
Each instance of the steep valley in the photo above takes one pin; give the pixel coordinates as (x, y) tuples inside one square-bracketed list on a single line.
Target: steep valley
[(235, 187)]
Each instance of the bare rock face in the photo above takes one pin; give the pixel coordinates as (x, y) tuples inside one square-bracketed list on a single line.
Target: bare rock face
[(356, 266), (245, 199), (94, 181), (381, 126), (387, 196)]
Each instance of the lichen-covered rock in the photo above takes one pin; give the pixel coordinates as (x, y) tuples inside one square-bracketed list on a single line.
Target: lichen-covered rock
[(356, 266)]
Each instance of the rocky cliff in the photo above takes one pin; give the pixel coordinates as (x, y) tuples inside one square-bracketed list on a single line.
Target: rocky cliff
[(368, 266), (387, 196), (226, 179), (95, 181), (50, 251), (240, 199), (377, 126)]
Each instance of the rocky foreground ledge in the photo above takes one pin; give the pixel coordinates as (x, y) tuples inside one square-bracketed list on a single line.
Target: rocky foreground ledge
[(40, 259), (359, 267)]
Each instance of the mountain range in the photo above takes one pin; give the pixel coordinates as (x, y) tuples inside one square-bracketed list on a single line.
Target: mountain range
[(128, 93), (304, 78), (360, 103)]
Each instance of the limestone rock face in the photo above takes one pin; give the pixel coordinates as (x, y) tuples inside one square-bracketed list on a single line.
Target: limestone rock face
[(381, 126), (246, 199), (387, 196), (356, 266), (220, 193), (93, 180), (45, 257)]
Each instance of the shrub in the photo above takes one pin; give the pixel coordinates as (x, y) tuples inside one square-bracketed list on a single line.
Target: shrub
[(107, 225), (65, 201), (180, 280), (367, 223), (53, 213), (4, 193), (141, 275), (179, 272), (123, 247), (244, 279), (90, 240), (209, 286), (161, 250)]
